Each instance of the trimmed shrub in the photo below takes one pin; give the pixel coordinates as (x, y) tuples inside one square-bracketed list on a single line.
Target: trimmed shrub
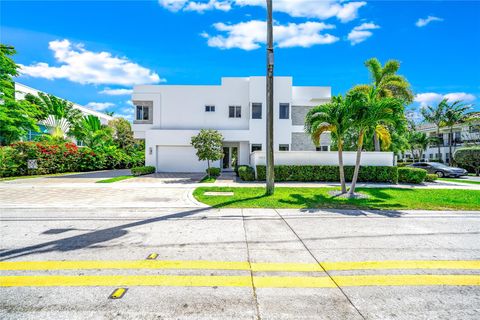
[(411, 175), (139, 171), (246, 173), (213, 172), (468, 158), (330, 173), (431, 177)]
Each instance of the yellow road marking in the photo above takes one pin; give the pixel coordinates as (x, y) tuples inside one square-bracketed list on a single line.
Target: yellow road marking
[(240, 281), (118, 293), (236, 265), (152, 256)]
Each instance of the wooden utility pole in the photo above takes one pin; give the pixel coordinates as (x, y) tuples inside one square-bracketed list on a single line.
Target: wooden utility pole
[(270, 163)]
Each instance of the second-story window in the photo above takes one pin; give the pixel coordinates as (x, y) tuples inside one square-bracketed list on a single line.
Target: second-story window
[(209, 108), (256, 111), (284, 112), (143, 112), (234, 111)]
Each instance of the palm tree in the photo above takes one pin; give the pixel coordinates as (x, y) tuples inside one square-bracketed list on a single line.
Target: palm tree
[(435, 115), (92, 133), (375, 114), (336, 118), (387, 84), (418, 141), (455, 112)]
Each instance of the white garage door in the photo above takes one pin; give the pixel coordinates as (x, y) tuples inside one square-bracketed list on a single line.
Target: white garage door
[(178, 159)]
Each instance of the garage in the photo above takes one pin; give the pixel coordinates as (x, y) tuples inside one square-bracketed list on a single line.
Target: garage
[(178, 159)]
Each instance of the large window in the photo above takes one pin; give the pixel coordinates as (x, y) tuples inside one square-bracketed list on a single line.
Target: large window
[(234, 111), (256, 147), (256, 111), (284, 111), (209, 108), (143, 112)]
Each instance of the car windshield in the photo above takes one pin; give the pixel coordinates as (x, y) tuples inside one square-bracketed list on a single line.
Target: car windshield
[(439, 165)]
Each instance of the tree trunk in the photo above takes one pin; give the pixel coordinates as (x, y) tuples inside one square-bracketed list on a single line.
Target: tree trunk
[(413, 155), (351, 192), (376, 141), (438, 145), (208, 166), (340, 166), (450, 142)]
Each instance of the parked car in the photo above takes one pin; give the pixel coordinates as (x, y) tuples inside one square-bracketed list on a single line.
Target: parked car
[(440, 169)]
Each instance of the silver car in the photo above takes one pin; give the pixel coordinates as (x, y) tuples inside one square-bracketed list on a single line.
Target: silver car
[(440, 169)]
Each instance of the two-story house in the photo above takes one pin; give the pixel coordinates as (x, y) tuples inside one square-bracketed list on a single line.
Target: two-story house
[(167, 116)]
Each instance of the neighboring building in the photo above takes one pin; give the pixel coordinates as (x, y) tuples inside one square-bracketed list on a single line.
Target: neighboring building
[(167, 116), (464, 134), (22, 90)]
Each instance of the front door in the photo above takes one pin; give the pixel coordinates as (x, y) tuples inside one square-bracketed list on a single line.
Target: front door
[(226, 158)]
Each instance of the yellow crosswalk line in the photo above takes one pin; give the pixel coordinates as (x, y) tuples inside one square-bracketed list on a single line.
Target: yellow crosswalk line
[(240, 281), (403, 264)]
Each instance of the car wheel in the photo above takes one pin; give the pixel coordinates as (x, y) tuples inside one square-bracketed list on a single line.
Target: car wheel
[(440, 174)]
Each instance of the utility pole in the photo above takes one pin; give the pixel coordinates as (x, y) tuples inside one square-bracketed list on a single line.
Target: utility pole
[(270, 163)]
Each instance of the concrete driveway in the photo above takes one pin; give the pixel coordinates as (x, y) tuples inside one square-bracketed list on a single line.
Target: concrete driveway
[(84, 177)]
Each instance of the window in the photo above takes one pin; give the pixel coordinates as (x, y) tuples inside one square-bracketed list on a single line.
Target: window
[(474, 129), (322, 148), (234, 111), (284, 111), (283, 147), (143, 112), (256, 111), (209, 108), (256, 147)]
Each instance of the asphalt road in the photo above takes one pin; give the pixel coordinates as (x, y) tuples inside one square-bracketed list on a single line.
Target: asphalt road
[(237, 264)]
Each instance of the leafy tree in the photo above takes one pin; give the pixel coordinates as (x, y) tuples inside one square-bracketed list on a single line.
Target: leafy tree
[(336, 118), (92, 133), (122, 133), (370, 113), (386, 83), (435, 115), (208, 144), (418, 142), (468, 157), (454, 114), (16, 117)]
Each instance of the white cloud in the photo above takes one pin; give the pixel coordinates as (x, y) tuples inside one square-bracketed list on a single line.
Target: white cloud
[(432, 98), (361, 33), (80, 65), (129, 102), (99, 106), (126, 112), (423, 22), (249, 35), (322, 10), (116, 92)]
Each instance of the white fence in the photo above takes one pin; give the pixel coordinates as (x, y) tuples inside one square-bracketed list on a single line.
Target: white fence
[(324, 158)]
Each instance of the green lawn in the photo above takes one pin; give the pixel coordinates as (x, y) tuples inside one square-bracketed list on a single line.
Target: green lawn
[(37, 176), (119, 178), (459, 180), (379, 198), (208, 179)]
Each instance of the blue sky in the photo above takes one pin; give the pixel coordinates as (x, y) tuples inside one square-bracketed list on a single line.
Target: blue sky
[(85, 51)]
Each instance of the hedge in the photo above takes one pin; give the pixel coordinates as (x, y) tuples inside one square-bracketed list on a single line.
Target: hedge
[(139, 171), (431, 177), (330, 173), (468, 158), (411, 175), (214, 172), (246, 173)]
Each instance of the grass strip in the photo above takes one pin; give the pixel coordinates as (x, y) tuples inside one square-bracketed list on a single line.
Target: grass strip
[(459, 180), (115, 179), (378, 198)]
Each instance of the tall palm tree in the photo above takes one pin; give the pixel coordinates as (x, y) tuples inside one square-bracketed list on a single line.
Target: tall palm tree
[(375, 114), (435, 115), (387, 84), (418, 141), (455, 112), (336, 118)]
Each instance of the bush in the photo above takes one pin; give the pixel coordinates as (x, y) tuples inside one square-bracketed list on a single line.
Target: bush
[(139, 171), (431, 177), (246, 173), (330, 173), (213, 172), (411, 175), (469, 158)]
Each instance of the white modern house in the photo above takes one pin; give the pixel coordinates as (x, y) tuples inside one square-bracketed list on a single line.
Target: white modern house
[(167, 116), (22, 90)]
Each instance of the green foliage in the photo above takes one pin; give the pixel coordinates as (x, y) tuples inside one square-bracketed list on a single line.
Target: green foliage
[(213, 172), (58, 108), (122, 133), (411, 175), (431, 177), (139, 171), (330, 173), (469, 158), (92, 133), (418, 142), (208, 144), (247, 173)]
